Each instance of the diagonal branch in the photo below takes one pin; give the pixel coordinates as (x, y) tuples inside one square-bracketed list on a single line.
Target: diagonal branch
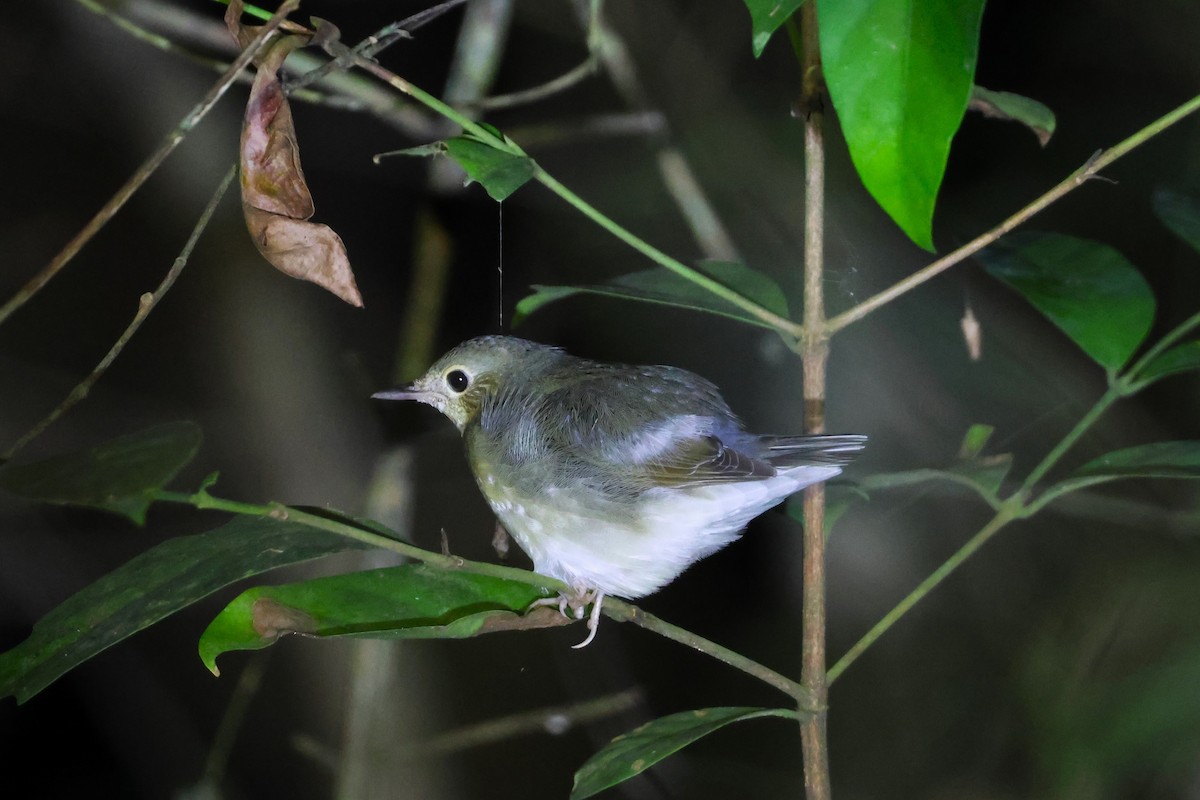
[(143, 172), (1073, 181), (146, 304)]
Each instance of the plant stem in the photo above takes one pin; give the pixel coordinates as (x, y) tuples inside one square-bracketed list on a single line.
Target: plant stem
[(1114, 393), (385, 541), (1018, 506), (777, 322), (522, 723), (1073, 181), (814, 353), (1131, 379), (606, 44), (143, 172), (781, 324), (627, 612), (612, 607), (146, 304), (926, 586)]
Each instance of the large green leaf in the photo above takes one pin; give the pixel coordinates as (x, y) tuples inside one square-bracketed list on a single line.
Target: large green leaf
[(632, 753), (1180, 213), (120, 475), (1086, 288), (500, 173), (152, 586), (765, 18), (413, 601), (900, 74), (662, 286)]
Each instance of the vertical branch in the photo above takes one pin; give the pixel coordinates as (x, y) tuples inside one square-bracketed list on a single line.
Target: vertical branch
[(814, 355)]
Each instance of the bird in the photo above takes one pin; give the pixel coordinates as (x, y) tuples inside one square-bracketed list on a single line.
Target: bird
[(613, 478)]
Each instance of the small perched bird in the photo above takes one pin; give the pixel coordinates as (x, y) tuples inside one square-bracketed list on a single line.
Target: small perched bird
[(612, 478)]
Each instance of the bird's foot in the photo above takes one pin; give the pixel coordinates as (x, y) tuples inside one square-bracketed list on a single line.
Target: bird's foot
[(577, 601), (596, 598), (562, 601)]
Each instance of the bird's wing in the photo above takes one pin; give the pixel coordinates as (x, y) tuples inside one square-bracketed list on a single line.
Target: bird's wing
[(668, 429)]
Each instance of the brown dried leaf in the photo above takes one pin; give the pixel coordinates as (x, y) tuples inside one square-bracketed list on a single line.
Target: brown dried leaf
[(310, 251), (275, 196), (270, 157)]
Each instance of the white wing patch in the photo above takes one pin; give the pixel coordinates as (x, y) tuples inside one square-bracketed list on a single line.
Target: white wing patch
[(653, 441)]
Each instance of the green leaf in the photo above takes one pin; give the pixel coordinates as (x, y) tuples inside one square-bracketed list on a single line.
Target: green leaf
[(1005, 105), (1180, 358), (1179, 459), (120, 475), (900, 74), (1088, 289), (765, 18), (632, 753), (1181, 214), (975, 440), (413, 601), (500, 173), (1159, 460), (151, 587), (660, 285)]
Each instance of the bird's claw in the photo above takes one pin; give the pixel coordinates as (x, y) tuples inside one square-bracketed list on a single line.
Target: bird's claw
[(577, 602), (593, 623)]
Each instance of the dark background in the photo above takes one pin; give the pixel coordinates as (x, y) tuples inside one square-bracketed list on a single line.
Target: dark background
[(1061, 661)]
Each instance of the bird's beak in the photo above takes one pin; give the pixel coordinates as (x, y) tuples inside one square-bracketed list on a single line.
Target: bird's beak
[(410, 392)]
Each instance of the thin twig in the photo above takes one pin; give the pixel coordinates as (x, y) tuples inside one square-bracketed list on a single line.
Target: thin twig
[(916, 595), (478, 50), (784, 326), (151, 164), (231, 721), (1073, 181), (627, 612), (554, 720), (536, 94), (146, 304), (678, 177), (150, 37), (1017, 506)]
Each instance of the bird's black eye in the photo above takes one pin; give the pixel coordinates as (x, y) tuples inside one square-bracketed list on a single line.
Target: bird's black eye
[(457, 380)]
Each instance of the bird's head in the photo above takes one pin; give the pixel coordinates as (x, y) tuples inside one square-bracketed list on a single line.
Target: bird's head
[(460, 382)]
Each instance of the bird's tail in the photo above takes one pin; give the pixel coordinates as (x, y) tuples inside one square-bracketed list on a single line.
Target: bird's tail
[(795, 451)]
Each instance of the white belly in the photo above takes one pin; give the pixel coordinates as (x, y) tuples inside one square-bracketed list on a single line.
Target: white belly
[(671, 529)]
